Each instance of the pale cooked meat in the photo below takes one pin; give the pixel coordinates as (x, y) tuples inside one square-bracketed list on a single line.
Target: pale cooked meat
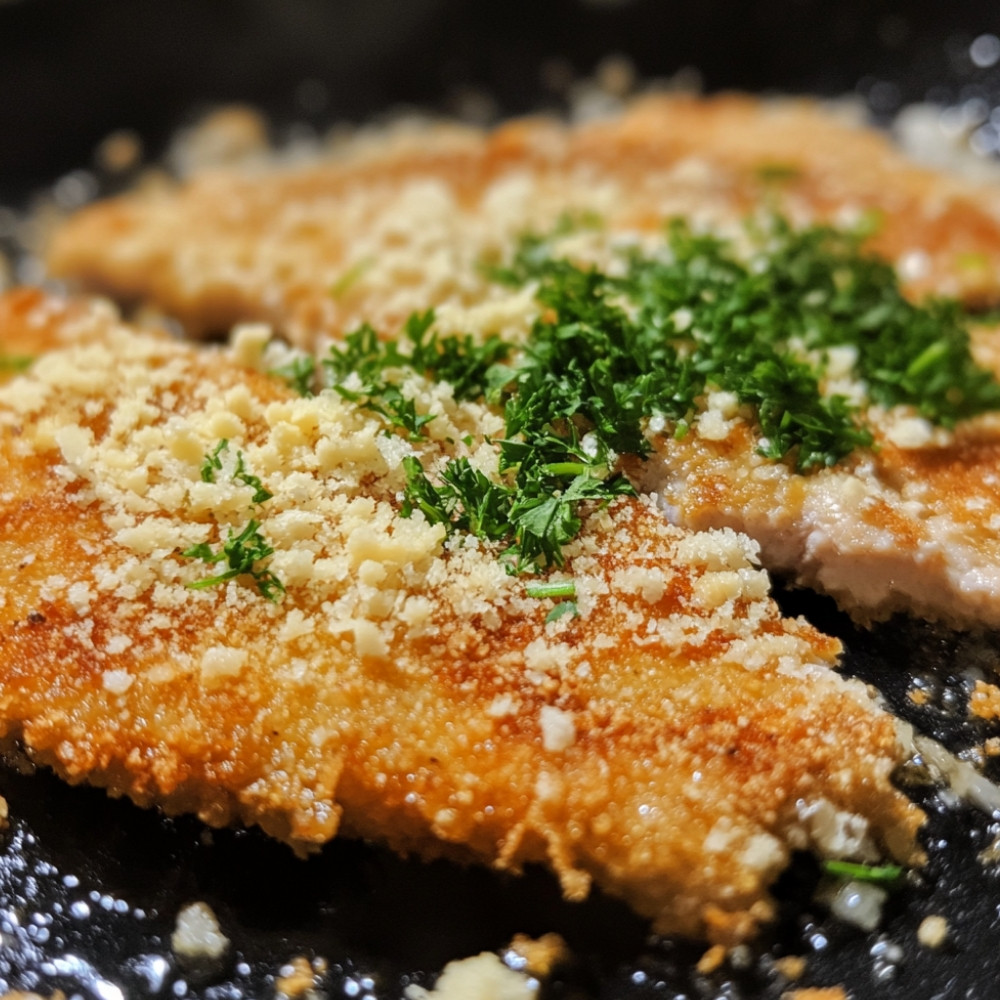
[(911, 525), (672, 744), (401, 222)]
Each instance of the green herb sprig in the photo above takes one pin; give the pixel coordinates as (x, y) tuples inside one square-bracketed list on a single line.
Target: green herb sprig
[(299, 373), (378, 364), (241, 553)]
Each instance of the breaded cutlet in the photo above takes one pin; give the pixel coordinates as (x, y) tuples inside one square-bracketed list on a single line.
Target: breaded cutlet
[(672, 741)]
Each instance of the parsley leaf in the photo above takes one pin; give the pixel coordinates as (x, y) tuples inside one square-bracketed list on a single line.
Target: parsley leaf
[(562, 609), (15, 363), (379, 365), (299, 373), (241, 553), (213, 462)]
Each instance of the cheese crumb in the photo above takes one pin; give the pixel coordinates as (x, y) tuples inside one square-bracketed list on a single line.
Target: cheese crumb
[(558, 728), (116, 681), (933, 931), (482, 977), (219, 663), (197, 935)]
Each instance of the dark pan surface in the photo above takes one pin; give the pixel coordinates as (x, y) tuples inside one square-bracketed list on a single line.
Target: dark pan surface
[(89, 887)]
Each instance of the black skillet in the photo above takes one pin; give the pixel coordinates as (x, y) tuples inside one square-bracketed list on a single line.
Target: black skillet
[(89, 887)]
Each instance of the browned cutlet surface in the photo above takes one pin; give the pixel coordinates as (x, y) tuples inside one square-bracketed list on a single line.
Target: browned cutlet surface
[(672, 744), (400, 222)]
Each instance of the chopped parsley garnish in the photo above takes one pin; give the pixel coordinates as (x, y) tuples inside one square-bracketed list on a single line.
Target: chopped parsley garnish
[(241, 553), (651, 341), (778, 173), (555, 588), (374, 366), (615, 355), (350, 277), (562, 609), (863, 873), (551, 588), (213, 462)]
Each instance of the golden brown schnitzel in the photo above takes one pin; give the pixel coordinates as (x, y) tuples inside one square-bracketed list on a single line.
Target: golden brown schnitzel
[(211, 601)]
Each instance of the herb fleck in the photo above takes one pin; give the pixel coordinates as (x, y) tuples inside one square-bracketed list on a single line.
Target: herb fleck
[(299, 373), (374, 368), (15, 363), (213, 464), (241, 553), (862, 872)]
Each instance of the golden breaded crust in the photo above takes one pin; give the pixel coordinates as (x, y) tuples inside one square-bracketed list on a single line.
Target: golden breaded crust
[(673, 744), (385, 227)]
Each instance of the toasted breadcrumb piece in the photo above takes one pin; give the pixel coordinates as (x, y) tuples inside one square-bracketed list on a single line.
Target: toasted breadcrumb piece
[(711, 959), (539, 955), (791, 966), (933, 931), (295, 979), (984, 702)]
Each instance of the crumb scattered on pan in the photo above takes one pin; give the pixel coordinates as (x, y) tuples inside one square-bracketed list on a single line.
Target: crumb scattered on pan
[(984, 701), (18, 995), (481, 977), (297, 979), (933, 931), (119, 152), (818, 993), (197, 936), (712, 959), (536, 956), (791, 966)]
